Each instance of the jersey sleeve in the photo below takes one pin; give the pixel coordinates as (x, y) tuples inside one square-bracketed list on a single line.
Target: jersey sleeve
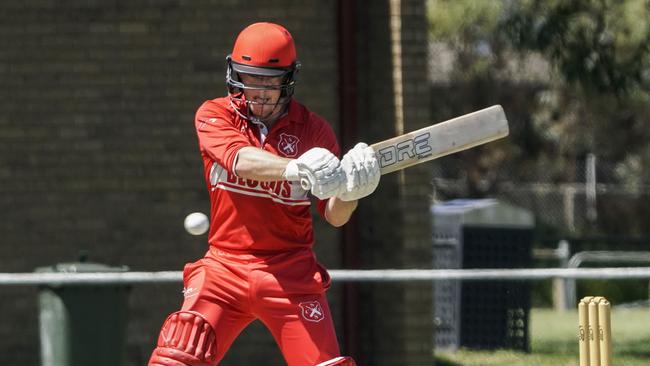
[(325, 138), (218, 135)]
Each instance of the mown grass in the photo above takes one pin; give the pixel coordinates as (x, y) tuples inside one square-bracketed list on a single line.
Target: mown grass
[(554, 342)]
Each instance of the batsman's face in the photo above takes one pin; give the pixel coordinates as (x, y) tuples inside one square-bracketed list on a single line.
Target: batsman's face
[(263, 102)]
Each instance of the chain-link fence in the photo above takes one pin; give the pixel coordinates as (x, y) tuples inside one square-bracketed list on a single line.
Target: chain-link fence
[(571, 208)]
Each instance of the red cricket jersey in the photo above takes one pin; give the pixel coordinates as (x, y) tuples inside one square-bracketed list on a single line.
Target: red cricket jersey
[(248, 215)]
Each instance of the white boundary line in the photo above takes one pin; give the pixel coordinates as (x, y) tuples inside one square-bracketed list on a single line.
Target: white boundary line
[(339, 275)]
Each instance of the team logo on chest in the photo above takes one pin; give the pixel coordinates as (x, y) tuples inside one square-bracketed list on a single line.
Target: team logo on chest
[(288, 144), (312, 311)]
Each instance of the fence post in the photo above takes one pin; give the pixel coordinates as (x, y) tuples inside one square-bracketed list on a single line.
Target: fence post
[(560, 295)]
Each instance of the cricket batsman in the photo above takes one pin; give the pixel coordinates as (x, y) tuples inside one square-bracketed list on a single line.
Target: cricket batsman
[(257, 144)]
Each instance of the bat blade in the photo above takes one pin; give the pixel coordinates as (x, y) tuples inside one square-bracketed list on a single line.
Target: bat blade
[(438, 140), (441, 139)]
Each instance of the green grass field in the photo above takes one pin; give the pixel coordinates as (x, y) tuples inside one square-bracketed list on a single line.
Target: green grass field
[(554, 342)]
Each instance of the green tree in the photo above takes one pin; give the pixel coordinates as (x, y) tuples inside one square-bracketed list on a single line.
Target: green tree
[(589, 94), (601, 50), (601, 45)]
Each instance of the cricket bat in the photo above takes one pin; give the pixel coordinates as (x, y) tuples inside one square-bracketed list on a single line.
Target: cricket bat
[(438, 140)]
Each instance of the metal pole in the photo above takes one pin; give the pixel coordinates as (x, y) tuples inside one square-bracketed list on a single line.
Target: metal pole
[(590, 187), (341, 275)]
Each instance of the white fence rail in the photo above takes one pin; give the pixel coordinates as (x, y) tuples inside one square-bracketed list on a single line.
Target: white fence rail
[(339, 275)]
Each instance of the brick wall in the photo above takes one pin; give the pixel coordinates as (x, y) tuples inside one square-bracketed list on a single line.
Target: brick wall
[(395, 223), (98, 152), (97, 148), (416, 192)]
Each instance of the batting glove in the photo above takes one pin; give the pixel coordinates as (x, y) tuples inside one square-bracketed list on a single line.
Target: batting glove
[(361, 172), (318, 170)]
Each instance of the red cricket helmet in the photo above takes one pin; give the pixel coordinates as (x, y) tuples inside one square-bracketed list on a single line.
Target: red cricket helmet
[(263, 49)]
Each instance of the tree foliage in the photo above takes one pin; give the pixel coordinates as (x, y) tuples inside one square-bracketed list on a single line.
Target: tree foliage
[(603, 45), (468, 27), (589, 94)]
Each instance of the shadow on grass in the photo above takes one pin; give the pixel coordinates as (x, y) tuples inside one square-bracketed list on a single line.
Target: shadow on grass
[(440, 361), (555, 348), (639, 348)]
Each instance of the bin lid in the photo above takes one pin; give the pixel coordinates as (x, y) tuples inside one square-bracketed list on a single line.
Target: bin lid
[(81, 267), (483, 212)]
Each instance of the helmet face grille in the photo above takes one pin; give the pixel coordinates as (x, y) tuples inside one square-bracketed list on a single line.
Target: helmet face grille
[(236, 86)]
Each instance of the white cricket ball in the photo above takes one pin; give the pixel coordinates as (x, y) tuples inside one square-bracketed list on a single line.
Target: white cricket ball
[(196, 223)]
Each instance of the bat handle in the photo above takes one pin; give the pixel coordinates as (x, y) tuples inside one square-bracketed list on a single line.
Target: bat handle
[(304, 183)]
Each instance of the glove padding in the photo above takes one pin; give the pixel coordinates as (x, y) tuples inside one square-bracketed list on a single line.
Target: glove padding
[(320, 168), (361, 172)]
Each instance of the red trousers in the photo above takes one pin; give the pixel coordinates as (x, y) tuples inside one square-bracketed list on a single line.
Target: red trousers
[(285, 291)]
